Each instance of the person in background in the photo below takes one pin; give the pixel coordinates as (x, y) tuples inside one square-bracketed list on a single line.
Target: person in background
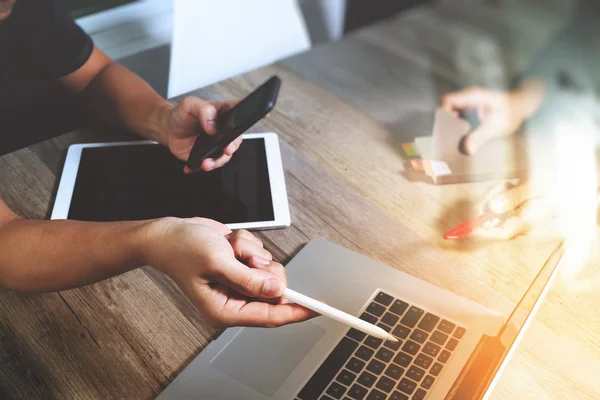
[(50, 73), (559, 89)]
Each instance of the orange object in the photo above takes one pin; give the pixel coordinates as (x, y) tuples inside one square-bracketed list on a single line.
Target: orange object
[(467, 227), (417, 165)]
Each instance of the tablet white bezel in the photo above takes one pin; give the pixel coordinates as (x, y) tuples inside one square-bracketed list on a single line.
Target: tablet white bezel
[(279, 197)]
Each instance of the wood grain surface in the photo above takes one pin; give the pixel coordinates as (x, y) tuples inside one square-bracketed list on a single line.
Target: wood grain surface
[(343, 112)]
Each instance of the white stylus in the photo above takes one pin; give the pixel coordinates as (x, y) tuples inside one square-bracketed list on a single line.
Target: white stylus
[(338, 315)]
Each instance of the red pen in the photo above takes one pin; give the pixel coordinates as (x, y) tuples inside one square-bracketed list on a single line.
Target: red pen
[(467, 227)]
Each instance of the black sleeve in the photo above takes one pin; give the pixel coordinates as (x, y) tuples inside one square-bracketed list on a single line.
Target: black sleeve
[(50, 39)]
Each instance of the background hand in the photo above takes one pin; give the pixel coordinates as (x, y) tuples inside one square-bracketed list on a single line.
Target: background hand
[(229, 277), (194, 116), (523, 205), (498, 112)]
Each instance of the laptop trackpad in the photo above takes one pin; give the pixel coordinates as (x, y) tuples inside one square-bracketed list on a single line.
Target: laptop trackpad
[(263, 358)]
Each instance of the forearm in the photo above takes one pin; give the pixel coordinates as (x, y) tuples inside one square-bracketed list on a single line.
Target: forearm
[(41, 256), (528, 97), (119, 96)]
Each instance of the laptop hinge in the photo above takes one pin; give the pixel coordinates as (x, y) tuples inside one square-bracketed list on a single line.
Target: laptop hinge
[(479, 370)]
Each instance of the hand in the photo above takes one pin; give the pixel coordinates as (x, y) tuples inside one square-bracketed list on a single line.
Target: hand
[(229, 276), (522, 206), (500, 113), (191, 117)]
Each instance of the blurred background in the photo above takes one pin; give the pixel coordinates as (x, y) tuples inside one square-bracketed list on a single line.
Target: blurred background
[(493, 40)]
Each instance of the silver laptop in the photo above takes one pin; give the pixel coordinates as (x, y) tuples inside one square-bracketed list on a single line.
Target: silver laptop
[(449, 348)]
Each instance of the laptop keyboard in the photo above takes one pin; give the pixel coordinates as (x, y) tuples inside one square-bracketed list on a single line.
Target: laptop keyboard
[(364, 367)]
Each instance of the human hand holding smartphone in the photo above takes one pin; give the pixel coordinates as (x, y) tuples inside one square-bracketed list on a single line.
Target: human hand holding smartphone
[(235, 122)]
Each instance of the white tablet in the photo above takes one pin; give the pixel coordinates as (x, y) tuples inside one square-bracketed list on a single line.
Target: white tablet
[(141, 180)]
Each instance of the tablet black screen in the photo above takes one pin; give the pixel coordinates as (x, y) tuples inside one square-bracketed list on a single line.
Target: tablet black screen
[(137, 182)]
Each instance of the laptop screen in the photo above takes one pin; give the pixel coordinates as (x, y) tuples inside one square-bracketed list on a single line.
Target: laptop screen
[(492, 354)]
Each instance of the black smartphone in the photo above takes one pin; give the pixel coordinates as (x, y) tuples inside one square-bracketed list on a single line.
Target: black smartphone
[(235, 122)]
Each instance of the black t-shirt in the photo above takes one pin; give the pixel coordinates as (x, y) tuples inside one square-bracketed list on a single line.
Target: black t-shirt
[(39, 43)]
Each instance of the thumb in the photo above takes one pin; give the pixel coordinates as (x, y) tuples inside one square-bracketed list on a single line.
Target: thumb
[(509, 200), (204, 111), (474, 140), (250, 282)]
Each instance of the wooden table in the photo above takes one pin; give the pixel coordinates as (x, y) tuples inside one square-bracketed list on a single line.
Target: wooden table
[(343, 112)]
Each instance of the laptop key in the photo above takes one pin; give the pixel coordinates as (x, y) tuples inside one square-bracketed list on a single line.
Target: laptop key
[(436, 369), (327, 371), (324, 397), (384, 298), (376, 395), (412, 316), (355, 365), (356, 334), (419, 336), (373, 342), (401, 332), (415, 373), (419, 394), (439, 338), (429, 322), (451, 345), (428, 381), (386, 384), (375, 309), (366, 379), (384, 354), (407, 386), (459, 332), (390, 319), (446, 326), (411, 347), (431, 349), (376, 366), (403, 359), (444, 356), (423, 361), (394, 371), (386, 328), (398, 307), (398, 396), (336, 390), (345, 377), (392, 345), (368, 317), (357, 392), (364, 353)]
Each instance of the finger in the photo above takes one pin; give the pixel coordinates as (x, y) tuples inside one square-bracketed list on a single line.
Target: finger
[(490, 193), (460, 100), (512, 227), (270, 315), (480, 136), (211, 223), (243, 233), (509, 199), (208, 164), (273, 267), (224, 106), (222, 160), (250, 282), (205, 112), (244, 249), (233, 146)]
